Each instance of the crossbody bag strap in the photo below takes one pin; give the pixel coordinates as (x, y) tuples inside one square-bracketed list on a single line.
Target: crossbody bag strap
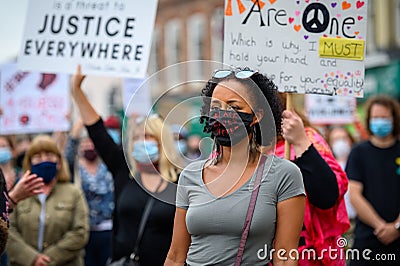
[(146, 213), (250, 210)]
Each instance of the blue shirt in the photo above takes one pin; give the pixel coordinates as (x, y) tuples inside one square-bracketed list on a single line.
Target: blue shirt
[(99, 193)]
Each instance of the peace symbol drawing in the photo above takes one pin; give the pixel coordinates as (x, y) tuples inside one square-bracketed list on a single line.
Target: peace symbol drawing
[(315, 18)]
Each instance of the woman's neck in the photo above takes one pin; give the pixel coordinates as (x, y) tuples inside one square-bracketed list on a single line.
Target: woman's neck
[(47, 188), (153, 182), (383, 142), (91, 167), (238, 154)]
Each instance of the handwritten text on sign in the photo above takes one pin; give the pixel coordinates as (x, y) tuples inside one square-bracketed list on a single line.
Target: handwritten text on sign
[(33, 102), (106, 37), (324, 109), (285, 38), (341, 48)]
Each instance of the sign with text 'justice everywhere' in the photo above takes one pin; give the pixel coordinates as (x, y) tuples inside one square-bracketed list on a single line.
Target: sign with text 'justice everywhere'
[(305, 46), (33, 102), (108, 38)]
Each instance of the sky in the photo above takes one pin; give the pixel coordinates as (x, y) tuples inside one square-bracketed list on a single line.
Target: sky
[(12, 20)]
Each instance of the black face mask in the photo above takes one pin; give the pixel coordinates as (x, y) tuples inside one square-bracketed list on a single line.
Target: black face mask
[(230, 127), (90, 155)]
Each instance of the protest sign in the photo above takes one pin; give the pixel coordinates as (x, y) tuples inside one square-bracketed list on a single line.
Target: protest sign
[(307, 46), (108, 38), (33, 102), (136, 97), (323, 109)]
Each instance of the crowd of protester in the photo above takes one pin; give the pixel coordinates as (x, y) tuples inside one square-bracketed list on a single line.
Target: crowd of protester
[(93, 197)]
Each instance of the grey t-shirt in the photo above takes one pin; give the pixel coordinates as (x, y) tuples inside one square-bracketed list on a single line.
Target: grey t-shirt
[(216, 224)]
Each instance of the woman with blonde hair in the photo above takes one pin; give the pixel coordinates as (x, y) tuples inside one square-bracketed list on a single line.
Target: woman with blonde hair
[(52, 227), (155, 126), (144, 175)]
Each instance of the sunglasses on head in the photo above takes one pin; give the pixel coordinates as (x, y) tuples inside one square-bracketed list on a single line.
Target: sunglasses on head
[(239, 73)]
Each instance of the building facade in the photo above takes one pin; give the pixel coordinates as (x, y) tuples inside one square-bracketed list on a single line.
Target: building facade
[(193, 30)]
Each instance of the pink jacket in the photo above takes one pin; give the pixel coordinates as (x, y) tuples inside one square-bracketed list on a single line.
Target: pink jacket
[(323, 227)]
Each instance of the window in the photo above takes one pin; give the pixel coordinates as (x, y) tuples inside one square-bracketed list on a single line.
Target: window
[(154, 62), (196, 32), (371, 38), (173, 50), (217, 35), (173, 41), (397, 21)]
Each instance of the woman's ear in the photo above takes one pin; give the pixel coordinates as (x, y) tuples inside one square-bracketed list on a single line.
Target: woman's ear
[(257, 117)]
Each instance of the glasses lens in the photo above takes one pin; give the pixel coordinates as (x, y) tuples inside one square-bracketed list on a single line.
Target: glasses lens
[(219, 74), (244, 74)]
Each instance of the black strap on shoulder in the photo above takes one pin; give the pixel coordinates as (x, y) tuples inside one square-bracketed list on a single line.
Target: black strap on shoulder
[(146, 213)]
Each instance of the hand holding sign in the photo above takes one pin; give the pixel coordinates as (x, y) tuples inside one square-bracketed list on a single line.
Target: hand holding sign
[(293, 131)]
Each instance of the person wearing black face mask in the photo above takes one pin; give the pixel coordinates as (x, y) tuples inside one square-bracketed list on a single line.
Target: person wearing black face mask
[(213, 195), (96, 182), (53, 226)]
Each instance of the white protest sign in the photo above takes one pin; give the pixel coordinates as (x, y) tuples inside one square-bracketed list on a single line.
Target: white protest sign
[(136, 97), (311, 46), (108, 38), (323, 109), (33, 102)]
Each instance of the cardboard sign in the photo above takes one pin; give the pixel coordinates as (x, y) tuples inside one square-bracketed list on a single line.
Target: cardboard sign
[(108, 38), (324, 110), (136, 97), (33, 102), (305, 46)]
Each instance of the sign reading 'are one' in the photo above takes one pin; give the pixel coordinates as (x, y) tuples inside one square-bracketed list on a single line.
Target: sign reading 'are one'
[(305, 46)]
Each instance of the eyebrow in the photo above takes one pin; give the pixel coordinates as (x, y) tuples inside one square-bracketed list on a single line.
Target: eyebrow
[(230, 101)]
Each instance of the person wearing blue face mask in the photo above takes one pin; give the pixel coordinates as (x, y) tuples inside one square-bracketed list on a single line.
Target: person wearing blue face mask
[(6, 163), (51, 228), (18, 186), (112, 124), (373, 168), (144, 171)]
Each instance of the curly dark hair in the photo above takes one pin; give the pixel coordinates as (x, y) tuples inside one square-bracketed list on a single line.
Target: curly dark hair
[(390, 103), (265, 133)]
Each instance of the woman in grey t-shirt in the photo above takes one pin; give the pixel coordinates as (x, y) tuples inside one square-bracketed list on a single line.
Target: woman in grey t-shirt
[(242, 111)]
